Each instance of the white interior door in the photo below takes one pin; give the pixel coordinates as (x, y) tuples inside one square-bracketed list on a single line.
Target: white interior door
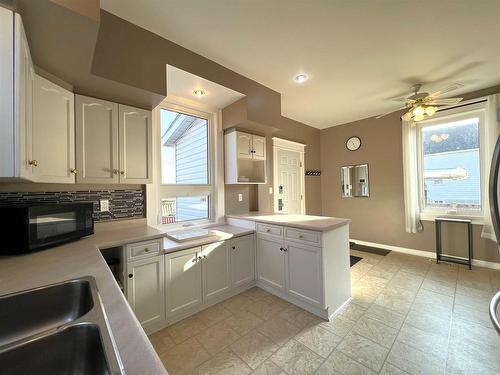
[(288, 170)]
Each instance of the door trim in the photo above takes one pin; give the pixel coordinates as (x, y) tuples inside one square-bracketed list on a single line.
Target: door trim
[(284, 144)]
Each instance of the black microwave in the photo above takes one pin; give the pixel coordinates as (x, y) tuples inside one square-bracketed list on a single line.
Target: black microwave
[(32, 227)]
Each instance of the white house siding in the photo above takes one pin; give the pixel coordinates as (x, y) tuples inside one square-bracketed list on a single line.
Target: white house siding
[(191, 208), (191, 155)]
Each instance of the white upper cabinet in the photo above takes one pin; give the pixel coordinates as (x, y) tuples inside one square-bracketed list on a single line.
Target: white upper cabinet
[(244, 145), (245, 158), (136, 140), (113, 143), (96, 141), (53, 141), (259, 147), (16, 99)]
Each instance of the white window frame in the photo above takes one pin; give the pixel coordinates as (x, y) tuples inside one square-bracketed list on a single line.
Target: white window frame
[(451, 115), (214, 189)]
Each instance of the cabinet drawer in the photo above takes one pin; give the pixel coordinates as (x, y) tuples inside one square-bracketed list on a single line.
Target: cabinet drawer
[(272, 230), (304, 236), (143, 250)]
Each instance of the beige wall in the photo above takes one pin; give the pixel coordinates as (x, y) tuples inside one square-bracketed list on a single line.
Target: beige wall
[(380, 218)]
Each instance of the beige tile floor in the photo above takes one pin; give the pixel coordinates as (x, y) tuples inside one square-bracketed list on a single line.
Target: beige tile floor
[(408, 315)]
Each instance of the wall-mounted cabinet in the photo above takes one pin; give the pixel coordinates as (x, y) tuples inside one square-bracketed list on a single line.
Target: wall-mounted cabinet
[(53, 141), (16, 99), (113, 142), (37, 116), (245, 158)]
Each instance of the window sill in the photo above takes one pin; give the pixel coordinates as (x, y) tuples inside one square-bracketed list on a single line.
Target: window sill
[(476, 220)]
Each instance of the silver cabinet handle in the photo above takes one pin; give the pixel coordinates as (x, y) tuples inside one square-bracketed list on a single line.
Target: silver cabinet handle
[(33, 162)]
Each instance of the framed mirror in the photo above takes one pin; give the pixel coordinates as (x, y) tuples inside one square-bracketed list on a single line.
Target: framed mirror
[(355, 181)]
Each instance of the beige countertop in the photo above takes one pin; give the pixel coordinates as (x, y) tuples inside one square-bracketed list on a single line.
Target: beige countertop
[(310, 222), (221, 232), (82, 258)]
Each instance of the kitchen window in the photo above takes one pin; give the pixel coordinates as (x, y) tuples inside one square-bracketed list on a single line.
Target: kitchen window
[(184, 189), (450, 163)]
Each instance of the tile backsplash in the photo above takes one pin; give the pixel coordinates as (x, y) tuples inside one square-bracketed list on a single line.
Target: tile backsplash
[(123, 204)]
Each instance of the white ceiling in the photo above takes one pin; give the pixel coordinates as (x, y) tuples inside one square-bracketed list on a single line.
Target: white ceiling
[(181, 85), (358, 53)]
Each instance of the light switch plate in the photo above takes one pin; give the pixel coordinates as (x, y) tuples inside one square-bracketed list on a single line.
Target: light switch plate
[(104, 204), (240, 197)]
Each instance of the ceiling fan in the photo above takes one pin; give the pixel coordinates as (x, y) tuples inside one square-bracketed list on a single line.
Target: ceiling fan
[(421, 104)]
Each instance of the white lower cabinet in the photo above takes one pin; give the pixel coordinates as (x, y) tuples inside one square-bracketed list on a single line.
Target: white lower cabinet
[(146, 290), (242, 260), (164, 288), (304, 272), (292, 266), (271, 262), (215, 270), (183, 281)]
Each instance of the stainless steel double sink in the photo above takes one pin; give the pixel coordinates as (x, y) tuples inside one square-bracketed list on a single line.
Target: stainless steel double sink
[(57, 329)]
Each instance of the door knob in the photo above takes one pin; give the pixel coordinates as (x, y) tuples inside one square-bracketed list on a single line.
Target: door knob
[(130, 275), (122, 172), (115, 171), (73, 170), (233, 247), (33, 163), (285, 249)]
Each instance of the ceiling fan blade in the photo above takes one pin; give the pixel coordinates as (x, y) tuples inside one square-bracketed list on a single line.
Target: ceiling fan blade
[(388, 113), (448, 101), (404, 99), (452, 87)]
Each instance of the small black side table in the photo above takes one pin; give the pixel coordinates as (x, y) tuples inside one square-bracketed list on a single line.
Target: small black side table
[(447, 258)]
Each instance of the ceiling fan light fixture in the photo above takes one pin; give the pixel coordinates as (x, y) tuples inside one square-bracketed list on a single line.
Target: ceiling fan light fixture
[(430, 110), (407, 116), (418, 117), (418, 111)]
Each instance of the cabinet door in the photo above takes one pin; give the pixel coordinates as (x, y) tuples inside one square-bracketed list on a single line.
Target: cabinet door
[(24, 82), (183, 281), (146, 290), (271, 262), (215, 270), (304, 272), (244, 145), (53, 133), (96, 141), (259, 147), (135, 132), (7, 105), (242, 260)]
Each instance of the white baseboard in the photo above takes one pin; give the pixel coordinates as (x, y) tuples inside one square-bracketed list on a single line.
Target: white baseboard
[(422, 253)]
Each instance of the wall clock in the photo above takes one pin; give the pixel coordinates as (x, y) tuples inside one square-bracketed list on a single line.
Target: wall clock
[(353, 143)]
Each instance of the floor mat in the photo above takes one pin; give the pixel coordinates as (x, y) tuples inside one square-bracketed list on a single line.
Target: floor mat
[(369, 249), (354, 260)]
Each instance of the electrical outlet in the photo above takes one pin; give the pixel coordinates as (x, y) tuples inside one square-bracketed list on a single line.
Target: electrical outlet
[(271, 190), (104, 203), (240, 197)]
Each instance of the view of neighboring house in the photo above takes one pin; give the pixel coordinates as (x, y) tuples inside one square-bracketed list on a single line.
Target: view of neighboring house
[(184, 160)]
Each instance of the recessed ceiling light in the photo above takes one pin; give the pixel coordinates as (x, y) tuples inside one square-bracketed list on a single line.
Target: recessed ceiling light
[(301, 78), (199, 93)]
